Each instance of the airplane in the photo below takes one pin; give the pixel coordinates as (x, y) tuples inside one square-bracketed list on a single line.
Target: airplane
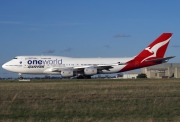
[(87, 67)]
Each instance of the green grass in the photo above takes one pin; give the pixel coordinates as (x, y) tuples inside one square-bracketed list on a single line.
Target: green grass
[(90, 100)]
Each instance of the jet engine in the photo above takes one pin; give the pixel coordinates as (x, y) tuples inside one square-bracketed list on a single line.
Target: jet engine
[(67, 73), (90, 71)]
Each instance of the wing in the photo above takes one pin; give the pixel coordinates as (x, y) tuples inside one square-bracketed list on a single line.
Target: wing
[(81, 68)]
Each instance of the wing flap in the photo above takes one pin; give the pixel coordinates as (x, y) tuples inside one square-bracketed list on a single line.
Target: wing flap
[(80, 68)]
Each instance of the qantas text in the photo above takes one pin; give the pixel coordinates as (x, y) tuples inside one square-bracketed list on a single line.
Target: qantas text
[(35, 66)]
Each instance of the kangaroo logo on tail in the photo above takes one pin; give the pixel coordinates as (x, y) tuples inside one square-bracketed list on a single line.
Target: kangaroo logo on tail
[(153, 54), (155, 48)]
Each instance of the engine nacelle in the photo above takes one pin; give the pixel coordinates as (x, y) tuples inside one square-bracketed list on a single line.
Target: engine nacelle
[(67, 73), (90, 71)]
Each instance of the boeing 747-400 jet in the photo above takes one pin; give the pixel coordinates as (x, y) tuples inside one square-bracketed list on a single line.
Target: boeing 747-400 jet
[(86, 67)]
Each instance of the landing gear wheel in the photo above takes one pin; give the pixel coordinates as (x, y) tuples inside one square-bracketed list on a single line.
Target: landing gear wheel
[(87, 77), (84, 77), (80, 77), (20, 77)]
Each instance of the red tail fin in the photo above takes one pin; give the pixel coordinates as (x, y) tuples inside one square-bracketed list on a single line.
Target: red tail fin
[(156, 49), (151, 55)]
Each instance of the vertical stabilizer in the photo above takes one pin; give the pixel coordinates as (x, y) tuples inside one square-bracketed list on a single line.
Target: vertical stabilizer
[(156, 49)]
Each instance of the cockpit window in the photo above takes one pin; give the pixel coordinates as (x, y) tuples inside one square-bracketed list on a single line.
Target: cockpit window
[(14, 58)]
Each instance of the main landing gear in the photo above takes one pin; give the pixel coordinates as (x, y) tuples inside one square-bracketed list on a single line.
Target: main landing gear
[(84, 77)]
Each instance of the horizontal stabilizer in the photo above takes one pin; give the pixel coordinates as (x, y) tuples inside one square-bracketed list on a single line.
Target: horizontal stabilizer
[(160, 59)]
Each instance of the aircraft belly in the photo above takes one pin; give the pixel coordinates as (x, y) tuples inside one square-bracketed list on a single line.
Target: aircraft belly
[(32, 70), (115, 69)]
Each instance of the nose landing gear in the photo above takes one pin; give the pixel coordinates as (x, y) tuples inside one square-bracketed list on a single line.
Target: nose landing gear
[(20, 76)]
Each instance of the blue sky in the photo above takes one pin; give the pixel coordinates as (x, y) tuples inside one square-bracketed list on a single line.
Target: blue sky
[(85, 28)]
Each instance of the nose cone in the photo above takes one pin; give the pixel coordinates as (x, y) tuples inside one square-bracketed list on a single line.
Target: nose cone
[(4, 66)]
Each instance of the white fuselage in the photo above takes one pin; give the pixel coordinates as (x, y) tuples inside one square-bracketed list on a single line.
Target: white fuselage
[(45, 64)]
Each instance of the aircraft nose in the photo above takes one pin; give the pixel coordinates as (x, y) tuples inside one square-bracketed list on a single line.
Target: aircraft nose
[(4, 66)]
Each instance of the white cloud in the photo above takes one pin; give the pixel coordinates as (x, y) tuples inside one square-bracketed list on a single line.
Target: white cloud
[(107, 46), (66, 50), (10, 22), (49, 51)]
